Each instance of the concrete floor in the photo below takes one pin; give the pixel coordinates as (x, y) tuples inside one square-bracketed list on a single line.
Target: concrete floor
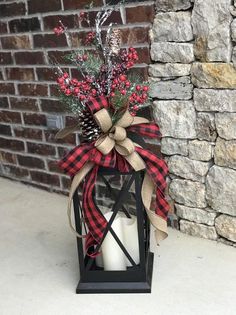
[(39, 271)]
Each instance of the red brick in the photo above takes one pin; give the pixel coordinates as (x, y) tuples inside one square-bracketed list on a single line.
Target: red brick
[(24, 103), (75, 73), (141, 72), (4, 102), (36, 6), (5, 58), (22, 74), (66, 183), (41, 149), (24, 25), (7, 88), (16, 42), (11, 144), (54, 90), (143, 55), (3, 27), (70, 121), (16, 171), (33, 89), (45, 178), (31, 162), (51, 21), (5, 130), (62, 151), (135, 35), (49, 40), (72, 4), (46, 74), (29, 58), (8, 157), (141, 13), (10, 117), (28, 133), (114, 18), (53, 166), (58, 56), (50, 137), (52, 106), (10, 9), (34, 119)]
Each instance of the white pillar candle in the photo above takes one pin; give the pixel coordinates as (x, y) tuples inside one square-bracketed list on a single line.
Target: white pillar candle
[(99, 260), (113, 256), (130, 234)]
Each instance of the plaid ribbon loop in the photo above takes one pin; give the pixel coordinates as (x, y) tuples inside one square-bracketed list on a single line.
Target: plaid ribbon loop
[(120, 153)]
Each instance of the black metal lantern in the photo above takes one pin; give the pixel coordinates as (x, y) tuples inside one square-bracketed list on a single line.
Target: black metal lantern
[(137, 277)]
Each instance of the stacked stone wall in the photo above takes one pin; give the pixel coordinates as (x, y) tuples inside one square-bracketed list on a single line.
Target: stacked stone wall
[(194, 91)]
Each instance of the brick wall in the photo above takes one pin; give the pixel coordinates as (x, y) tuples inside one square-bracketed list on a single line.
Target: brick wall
[(28, 94)]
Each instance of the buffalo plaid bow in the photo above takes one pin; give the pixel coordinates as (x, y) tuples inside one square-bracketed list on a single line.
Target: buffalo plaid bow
[(74, 161)]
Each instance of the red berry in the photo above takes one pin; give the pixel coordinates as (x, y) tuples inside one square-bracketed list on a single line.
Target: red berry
[(76, 90), (138, 87), (131, 99), (60, 80), (82, 97), (138, 99), (63, 87), (127, 84), (112, 94), (144, 96), (145, 88), (85, 57), (113, 86), (135, 107), (123, 92), (66, 75), (123, 77), (68, 92), (94, 92)]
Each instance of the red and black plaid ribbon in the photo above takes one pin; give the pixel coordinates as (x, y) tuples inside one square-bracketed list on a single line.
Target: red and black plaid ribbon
[(74, 161)]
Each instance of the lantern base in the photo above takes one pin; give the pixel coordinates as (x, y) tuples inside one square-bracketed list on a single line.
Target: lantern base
[(119, 287)]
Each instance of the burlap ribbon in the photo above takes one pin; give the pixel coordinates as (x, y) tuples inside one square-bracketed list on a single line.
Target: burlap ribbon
[(115, 137)]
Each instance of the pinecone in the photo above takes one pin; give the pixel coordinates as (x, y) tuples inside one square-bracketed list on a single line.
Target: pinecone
[(115, 41), (89, 127)]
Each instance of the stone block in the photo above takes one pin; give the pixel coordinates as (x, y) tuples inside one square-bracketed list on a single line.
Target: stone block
[(187, 168), (176, 119), (226, 227), (200, 150), (188, 193), (169, 70), (171, 146), (214, 75), (172, 27), (205, 126), (215, 100), (172, 52), (196, 215), (178, 89), (226, 125), (220, 189), (225, 153), (172, 5), (199, 230), (211, 26)]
